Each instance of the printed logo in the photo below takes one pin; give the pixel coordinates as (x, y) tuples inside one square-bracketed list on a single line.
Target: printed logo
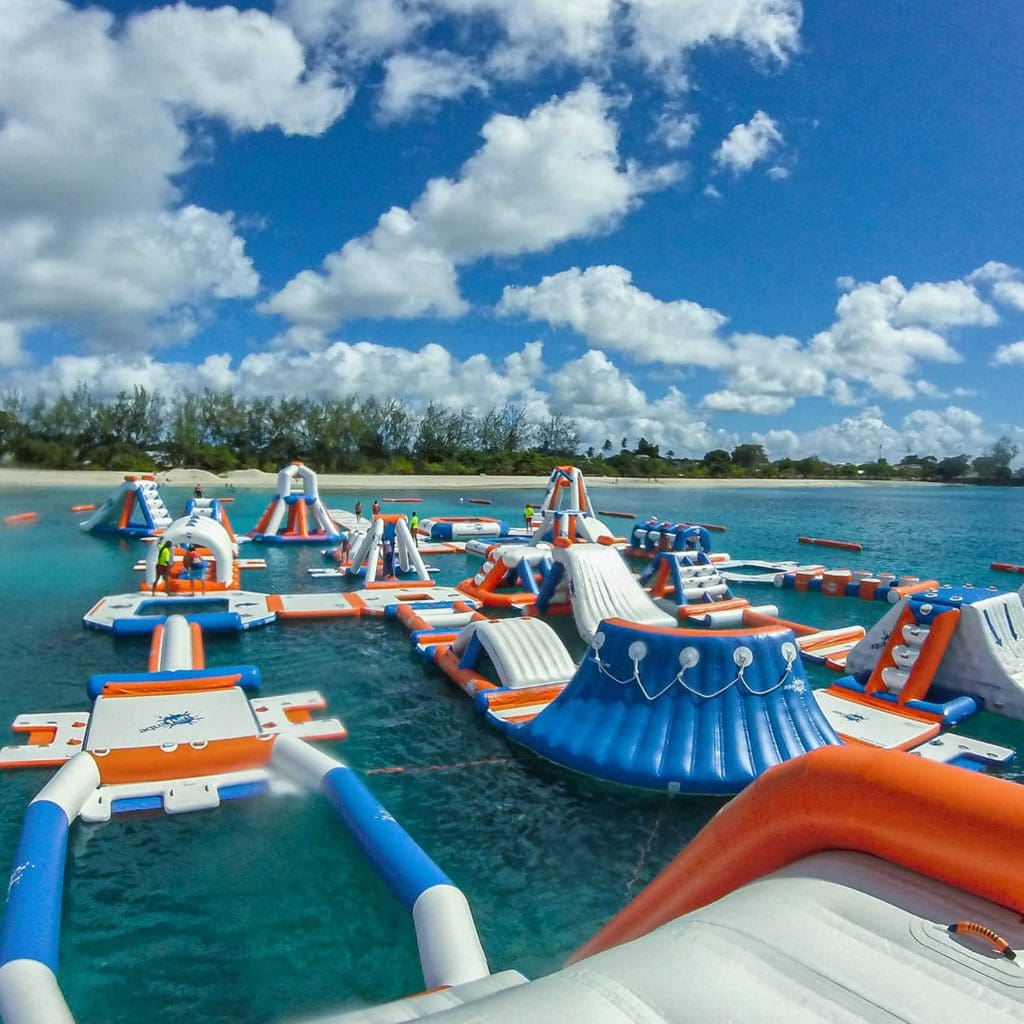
[(172, 720)]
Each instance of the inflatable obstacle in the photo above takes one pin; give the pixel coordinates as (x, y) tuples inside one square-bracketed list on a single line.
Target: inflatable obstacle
[(950, 646), (860, 583), (682, 711), (296, 518), (135, 509), (187, 739), (448, 528), (650, 538)]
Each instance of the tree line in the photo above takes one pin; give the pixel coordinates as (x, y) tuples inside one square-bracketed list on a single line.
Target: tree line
[(218, 431)]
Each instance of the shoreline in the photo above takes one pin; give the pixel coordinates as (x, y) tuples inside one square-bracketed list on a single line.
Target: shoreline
[(257, 480)]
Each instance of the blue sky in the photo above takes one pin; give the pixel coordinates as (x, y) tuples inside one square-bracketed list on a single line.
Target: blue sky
[(702, 222)]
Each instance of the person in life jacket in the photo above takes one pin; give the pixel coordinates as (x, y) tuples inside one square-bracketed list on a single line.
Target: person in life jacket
[(164, 558)]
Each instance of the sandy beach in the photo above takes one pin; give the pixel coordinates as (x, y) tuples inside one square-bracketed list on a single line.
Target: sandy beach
[(254, 479)]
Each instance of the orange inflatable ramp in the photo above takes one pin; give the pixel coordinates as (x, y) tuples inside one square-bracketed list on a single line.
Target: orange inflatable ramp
[(958, 827)]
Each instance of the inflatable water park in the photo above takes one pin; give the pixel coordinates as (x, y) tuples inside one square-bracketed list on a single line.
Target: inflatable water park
[(644, 659)]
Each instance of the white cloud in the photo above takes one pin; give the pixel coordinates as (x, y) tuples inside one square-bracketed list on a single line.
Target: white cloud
[(535, 182), (242, 66), (675, 129), (92, 138), (416, 81), (944, 433), (604, 305), (945, 304), (778, 173), (766, 376), (1009, 355), (1009, 292), (11, 352), (513, 41), (865, 344), (666, 29), (748, 143)]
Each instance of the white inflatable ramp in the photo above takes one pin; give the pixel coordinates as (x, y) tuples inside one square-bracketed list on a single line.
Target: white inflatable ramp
[(601, 586), (524, 652)]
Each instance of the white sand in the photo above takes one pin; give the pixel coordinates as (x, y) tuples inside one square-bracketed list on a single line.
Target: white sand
[(254, 479)]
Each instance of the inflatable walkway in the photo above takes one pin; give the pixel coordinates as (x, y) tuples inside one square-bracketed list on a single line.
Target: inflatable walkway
[(135, 509), (185, 739)]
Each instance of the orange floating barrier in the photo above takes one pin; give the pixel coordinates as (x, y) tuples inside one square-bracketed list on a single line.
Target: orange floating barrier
[(1007, 567), (408, 500), (711, 526), (20, 517), (846, 545), (618, 515), (82, 508)]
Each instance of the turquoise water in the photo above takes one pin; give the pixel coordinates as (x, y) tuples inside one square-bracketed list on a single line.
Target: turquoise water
[(264, 910)]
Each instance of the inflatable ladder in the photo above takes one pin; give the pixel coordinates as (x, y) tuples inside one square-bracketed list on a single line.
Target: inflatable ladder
[(155, 504), (688, 577), (913, 651)]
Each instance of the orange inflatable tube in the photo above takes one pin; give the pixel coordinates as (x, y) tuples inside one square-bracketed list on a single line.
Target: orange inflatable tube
[(846, 545), (958, 827)]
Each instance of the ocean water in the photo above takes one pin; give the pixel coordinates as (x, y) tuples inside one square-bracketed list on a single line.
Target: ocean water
[(264, 910)]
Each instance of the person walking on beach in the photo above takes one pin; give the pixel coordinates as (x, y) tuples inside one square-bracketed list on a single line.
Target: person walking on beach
[(164, 557), (376, 507), (359, 511), (414, 525)]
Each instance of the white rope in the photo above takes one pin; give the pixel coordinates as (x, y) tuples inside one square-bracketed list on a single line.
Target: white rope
[(689, 658)]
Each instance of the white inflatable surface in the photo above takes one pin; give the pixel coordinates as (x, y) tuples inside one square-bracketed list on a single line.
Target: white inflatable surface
[(835, 937), (875, 726), (601, 586), (524, 652)]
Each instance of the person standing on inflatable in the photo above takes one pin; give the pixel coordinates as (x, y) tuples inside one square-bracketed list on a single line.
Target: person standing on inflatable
[(414, 525), (359, 510), (198, 491), (528, 515), (376, 507), (164, 557)]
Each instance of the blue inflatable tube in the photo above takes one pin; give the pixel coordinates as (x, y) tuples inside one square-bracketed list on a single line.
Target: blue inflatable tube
[(249, 677), (394, 854), (212, 622), (953, 707), (31, 928)]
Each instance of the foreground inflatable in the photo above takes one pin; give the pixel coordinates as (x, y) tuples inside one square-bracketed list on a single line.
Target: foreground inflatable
[(181, 737), (842, 886)]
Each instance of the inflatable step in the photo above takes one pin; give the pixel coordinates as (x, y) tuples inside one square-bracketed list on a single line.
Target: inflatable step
[(915, 634), (894, 679)]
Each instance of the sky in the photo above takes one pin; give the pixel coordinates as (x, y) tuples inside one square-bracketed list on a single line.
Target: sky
[(703, 222)]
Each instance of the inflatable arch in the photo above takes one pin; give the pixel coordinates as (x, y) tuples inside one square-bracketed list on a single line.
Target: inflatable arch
[(303, 516), (200, 531)]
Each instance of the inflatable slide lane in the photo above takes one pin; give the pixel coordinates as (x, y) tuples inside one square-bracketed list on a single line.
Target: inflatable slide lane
[(135, 509)]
